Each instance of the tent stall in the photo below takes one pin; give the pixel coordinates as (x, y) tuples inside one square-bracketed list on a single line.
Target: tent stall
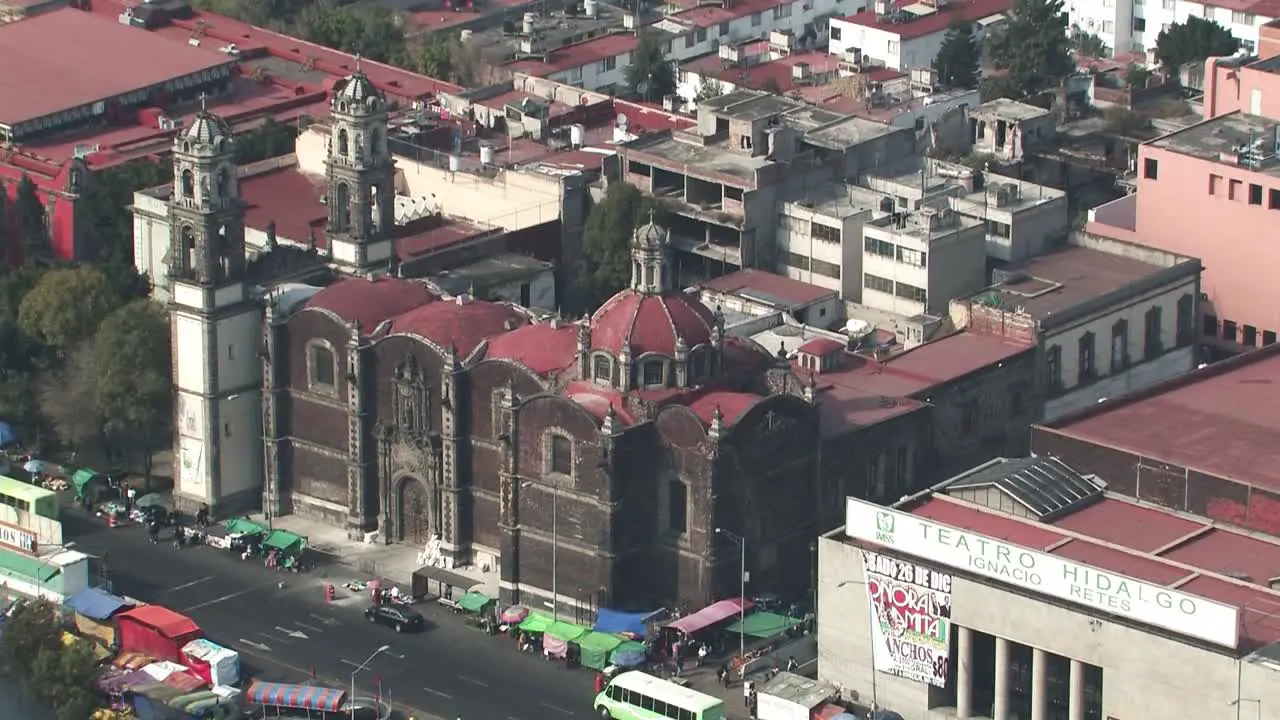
[(94, 609), (476, 603), (536, 622), (764, 625), (625, 623), (88, 483), (594, 649), (295, 697), (629, 654), (710, 615), (213, 663), (155, 631), (556, 638)]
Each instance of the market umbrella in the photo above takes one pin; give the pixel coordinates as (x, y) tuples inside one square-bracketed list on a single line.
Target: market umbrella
[(35, 466), (514, 614), (146, 501)]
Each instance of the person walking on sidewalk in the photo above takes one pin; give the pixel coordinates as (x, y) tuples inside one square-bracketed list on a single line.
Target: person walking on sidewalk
[(748, 689), (722, 675), (792, 665)]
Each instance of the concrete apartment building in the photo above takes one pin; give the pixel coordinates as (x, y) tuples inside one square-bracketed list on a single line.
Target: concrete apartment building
[(1007, 129), (915, 263), (1108, 318), (906, 36), (724, 179), (1133, 25), (1219, 178)]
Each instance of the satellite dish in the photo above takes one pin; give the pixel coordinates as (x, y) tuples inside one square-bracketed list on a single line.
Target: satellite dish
[(622, 120)]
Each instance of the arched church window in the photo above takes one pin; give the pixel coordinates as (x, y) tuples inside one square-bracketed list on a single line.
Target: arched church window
[(188, 239), (602, 369), (322, 368), (342, 202), (224, 183), (344, 143), (697, 365), (651, 373), (561, 455), (188, 184)]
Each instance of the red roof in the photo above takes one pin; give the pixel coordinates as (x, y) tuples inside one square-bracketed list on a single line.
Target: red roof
[(1221, 420), (291, 199), (650, 323), (970, 11), (369, 302), (1148, 543), (821, 346), (460, 322), (766, 287), (579, 55), (732, 405), (49, 74), (544, 348), (169, 623)]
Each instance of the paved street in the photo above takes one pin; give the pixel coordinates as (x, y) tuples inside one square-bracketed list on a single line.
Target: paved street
[(450, 670)]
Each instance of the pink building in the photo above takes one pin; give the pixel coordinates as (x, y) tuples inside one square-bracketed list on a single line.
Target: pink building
[(1212, 191)]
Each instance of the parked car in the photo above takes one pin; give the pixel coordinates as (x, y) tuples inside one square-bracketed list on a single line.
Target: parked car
[(401, 618)]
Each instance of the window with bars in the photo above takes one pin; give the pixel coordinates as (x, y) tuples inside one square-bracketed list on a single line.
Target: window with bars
[(877, 283)]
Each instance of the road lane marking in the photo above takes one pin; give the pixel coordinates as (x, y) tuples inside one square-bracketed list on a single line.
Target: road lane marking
[(257, 645), (215, 601), (312, 628), (193, 583), (397, 656), (348, 662), (556, 708), (292, 633), (326, 621), (271, 637), (437, 693), (473, 681)]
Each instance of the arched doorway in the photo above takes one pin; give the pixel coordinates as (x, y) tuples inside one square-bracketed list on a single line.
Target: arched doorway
[(415, 512)]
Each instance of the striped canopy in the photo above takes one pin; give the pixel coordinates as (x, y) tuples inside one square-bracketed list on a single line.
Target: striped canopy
[(296, 697)]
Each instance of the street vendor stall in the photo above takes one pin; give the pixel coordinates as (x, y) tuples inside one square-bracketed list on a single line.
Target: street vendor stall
[(764, 625), (94, 609), (711, 615), (237, 533), (558, 636), (477, 603), (630, 654), (594, 649), (635, 624), (295, 697), (155, 631), (90, 485), (284, 549), (213, 663)]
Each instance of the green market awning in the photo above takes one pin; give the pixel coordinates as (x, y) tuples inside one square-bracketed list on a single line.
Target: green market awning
[(536, 623), (595, 647), (285, 540), (475, 602), (82, 477), (764, 624), (25, 568), (243, 526), (566, 631)]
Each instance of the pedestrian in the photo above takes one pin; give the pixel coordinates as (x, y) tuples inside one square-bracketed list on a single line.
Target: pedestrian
[(792, 665), (748, 689), (722, 675), (702, 654), (599, 683), (130, 494), (752, 703)]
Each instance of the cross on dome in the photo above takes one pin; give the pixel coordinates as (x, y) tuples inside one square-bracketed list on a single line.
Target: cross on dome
[(204, 102)]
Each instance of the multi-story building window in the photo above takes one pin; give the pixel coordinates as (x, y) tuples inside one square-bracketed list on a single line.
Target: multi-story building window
[(1153, 325), (1086, 362)]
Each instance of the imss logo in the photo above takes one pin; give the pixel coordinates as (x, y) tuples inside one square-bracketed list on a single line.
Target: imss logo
[(884, 527)]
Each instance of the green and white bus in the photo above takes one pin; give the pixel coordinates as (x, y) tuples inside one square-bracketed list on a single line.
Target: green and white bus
[(639, 696)]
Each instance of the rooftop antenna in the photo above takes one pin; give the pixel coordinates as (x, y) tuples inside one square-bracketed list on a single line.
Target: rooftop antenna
[(358, 62)]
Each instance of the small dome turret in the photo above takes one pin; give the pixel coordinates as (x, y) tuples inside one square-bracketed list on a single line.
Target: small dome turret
[(356, 94), (208, 129), (651, 237)]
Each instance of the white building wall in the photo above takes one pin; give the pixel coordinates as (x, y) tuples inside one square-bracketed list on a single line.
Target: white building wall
[(1134, 25), (239, 338), (890, 49), (1173, 362), (240, 442), (1146, 675)]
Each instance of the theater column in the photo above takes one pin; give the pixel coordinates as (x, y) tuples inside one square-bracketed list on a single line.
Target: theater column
[(1001, 711), (1039, 694), (964, 673), (1076, 690)]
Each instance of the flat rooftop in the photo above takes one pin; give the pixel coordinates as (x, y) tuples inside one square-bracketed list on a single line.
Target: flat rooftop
[(1064, 278), (70, 58), (705, 160), (758, 286), (749, 104), (838, 201), (494, 269), (1145, 542), (1224, 138), (1221, 420), (1007, 109), (848, 132)]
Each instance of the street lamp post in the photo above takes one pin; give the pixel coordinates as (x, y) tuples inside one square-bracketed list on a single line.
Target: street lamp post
[(1257, 703), (871, 643), (351, 700), (741, 542)]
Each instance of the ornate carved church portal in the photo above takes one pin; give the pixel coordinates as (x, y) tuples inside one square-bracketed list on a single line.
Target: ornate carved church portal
[(409, 462)]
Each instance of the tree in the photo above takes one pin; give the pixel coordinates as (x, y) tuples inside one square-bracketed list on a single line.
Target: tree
[(133, 376), (66, 306), (68, 398), (1034, 47), (959, 57), (105, 200), (606, 241), (56, 673), (68, 679), (32, 628), (31, 223), (1088, 44), (709, 88), (650, 75), (270, 139), (434, 58), (367, 30), (1193, 41)]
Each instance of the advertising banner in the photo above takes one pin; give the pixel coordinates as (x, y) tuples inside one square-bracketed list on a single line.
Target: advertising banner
[(910, 609)]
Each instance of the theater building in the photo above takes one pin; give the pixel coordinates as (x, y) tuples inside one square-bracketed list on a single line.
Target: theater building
[(1022, 589)]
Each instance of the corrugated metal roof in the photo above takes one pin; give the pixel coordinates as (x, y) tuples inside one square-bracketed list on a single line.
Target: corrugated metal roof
[(1044, 485)]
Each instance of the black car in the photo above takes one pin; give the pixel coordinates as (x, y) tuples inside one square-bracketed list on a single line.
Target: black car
[(401, 618)]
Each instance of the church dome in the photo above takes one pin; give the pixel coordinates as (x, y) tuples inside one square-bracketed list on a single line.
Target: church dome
[(208, 128), (651, 323), (651, 236), (356, 89)]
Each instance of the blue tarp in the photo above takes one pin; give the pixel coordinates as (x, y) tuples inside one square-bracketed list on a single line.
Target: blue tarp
[(7, 435), (614, 621), (96, 604)]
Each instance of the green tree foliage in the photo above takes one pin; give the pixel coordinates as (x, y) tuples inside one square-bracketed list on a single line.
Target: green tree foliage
[(270, 139), (959, 56), (1088, 44), (133, 376), (30, 222), (1034, 47), (368, 30), (650, 75), (104, 203), (66, 306), (606, 241), (68, 399), (709, 88), (1193, 41), (58, 674)]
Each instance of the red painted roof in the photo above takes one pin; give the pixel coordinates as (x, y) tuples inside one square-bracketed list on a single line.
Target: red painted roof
[(369, 302), (460, 322), (1221, 420), (446, 232), (544, 348), (650, 323), (765, 284), (291, 199), (821, 346), (732, 405), (1134, 526), (579, 55), (1031, 535), (168, 622), (970, 11)]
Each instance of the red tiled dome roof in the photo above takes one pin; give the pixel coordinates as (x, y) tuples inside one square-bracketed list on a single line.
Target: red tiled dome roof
[(463, 324), (544, 348), (369, 302), (650, 323)]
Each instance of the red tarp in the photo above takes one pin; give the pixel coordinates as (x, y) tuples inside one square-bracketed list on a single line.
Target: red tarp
[(710, 615), (155, 631)]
